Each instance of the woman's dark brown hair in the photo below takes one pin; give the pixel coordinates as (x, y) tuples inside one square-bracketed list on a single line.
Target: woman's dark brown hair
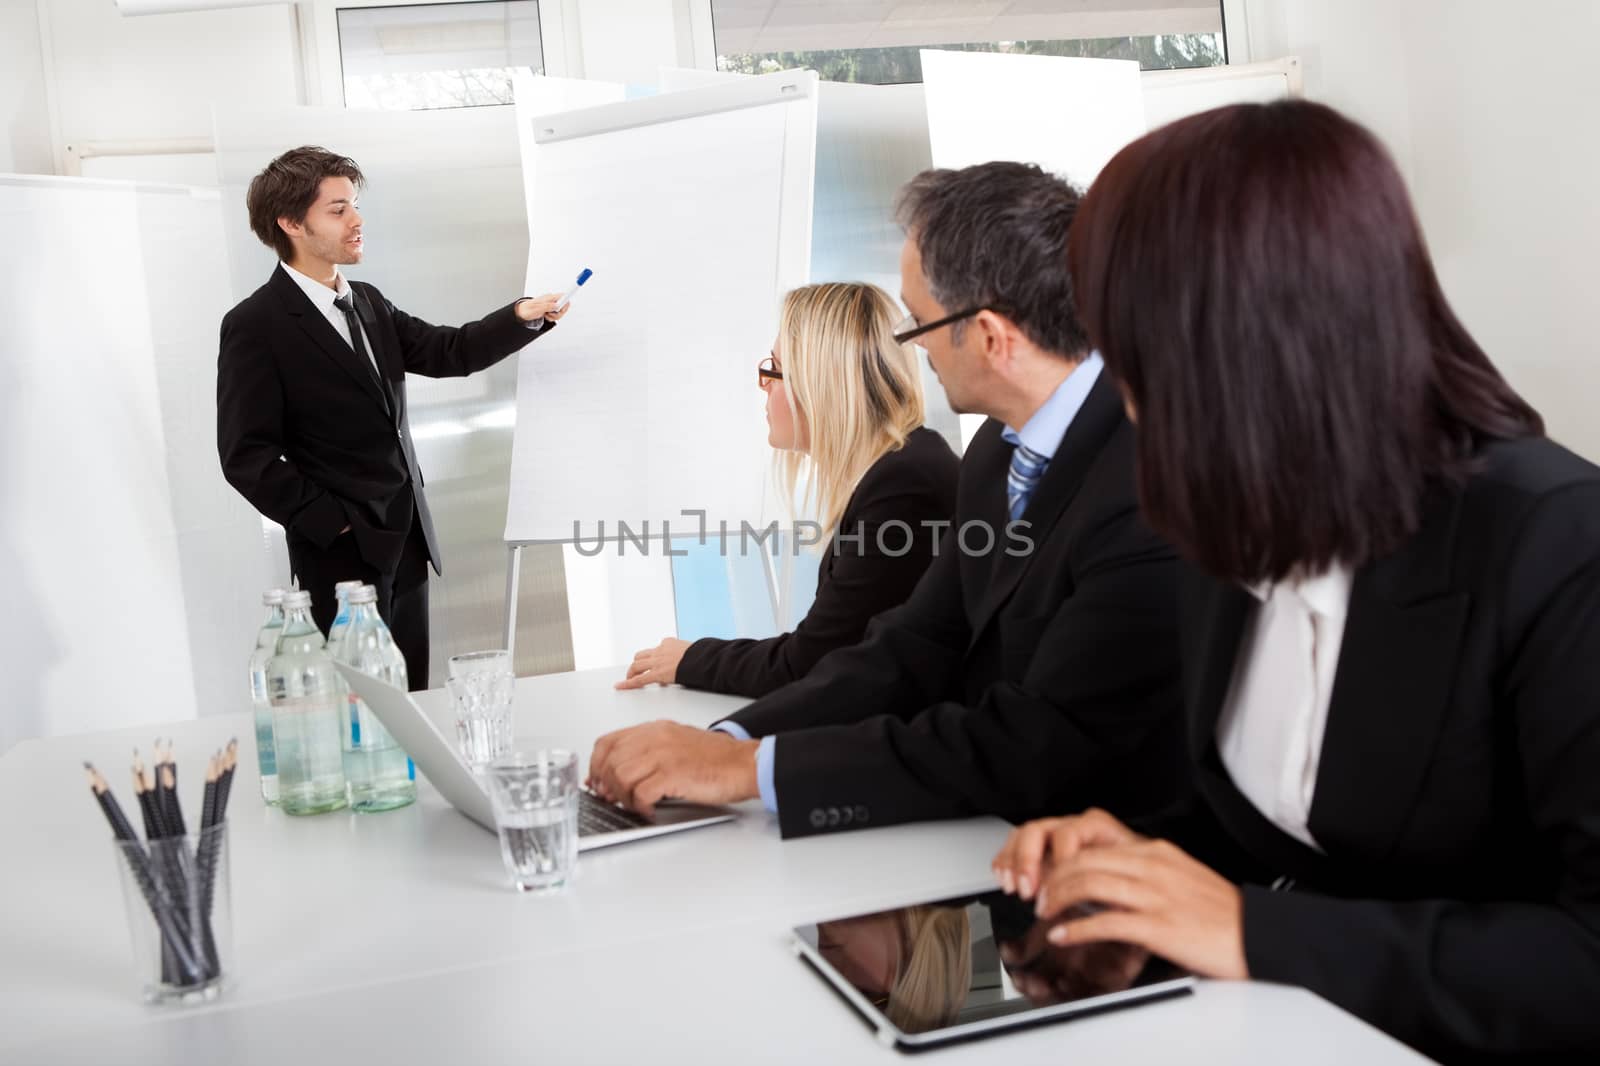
[(288, 187), (1256, 279)]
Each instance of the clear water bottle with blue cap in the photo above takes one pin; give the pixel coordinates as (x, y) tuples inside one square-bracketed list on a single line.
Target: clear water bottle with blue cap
[(266, 646), (380, 775)]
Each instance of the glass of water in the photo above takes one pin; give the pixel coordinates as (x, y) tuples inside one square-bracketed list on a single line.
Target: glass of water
[(480, 686), (536, 811)]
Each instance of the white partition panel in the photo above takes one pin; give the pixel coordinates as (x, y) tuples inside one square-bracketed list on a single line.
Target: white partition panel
[(94, 634), (1070, 116), (223, 562), (871, 140), (1172, 94)]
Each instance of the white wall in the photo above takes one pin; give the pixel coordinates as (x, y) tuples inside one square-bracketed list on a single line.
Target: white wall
[(629, 40), (24, 104), (153, 79), (156, 77), (1491, 114)]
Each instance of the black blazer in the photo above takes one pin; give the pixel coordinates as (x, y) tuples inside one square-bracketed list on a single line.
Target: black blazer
[(915, 485), (311, 437), (1457, 905), (1012, 684)]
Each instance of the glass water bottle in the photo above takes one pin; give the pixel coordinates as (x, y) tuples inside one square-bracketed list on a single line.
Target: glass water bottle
[(380, 775), (308, 711), (266, 647)]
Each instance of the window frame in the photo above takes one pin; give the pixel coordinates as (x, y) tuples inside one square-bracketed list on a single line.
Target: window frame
[(324, 63), (1235, 32)]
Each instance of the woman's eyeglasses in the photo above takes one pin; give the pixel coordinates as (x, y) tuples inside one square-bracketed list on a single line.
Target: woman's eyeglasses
[(767, 372)]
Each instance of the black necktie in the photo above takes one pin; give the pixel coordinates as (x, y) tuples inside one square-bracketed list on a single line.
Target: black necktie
[(347, 304)]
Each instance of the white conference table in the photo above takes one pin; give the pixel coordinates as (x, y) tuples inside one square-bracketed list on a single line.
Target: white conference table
[(395, 936)]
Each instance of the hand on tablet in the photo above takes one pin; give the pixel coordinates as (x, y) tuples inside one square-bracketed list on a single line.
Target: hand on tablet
[(1046, 973), (1099, 881), (1020, 864)]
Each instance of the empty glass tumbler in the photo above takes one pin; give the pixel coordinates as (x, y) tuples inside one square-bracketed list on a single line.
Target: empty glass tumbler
[(480, 685), (535, 799), (179, 913)]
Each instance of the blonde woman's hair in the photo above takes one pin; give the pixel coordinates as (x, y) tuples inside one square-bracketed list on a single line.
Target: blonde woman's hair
[(858, 393), (935, 968)]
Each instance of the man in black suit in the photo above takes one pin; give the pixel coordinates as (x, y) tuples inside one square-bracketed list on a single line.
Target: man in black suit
[(311, 397), (1036, 662)]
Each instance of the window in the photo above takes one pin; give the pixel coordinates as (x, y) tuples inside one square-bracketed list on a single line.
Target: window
[(879, 42), (416, 57)]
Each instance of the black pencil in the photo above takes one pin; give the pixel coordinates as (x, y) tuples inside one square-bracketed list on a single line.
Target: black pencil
[(167, 792), (169, 786), (208, 807), (152, 785), (206, 851), (225, 782), (152, 831), (121, 828), (147, 807)]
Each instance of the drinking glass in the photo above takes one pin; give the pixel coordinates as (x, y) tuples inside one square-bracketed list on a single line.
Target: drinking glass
[(176, 892), (480, 685), (535, 801)]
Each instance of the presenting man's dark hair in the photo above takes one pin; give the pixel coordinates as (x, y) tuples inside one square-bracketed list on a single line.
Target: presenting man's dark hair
[(288, 187), (995, 235), (1256, 280)]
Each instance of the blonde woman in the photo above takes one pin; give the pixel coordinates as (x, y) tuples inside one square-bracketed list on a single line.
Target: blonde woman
[(844, 410)]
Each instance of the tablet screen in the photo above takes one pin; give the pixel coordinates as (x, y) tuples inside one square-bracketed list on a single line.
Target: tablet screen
[(974, 963)]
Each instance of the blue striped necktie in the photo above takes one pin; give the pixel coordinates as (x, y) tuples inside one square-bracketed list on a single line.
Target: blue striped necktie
[(1027, 467)]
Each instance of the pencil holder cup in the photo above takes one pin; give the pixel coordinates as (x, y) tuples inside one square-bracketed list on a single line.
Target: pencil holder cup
[(180, 914)]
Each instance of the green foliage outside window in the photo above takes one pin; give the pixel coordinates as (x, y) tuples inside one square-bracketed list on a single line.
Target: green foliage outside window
[(891, 66)]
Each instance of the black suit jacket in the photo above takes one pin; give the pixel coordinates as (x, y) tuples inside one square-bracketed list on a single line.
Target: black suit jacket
[(1457, 801), (1017, 685), (915, 485), (311, 437)]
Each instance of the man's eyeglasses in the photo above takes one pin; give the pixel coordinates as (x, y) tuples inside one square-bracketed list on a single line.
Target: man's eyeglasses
[(767, 372), (909, 328)]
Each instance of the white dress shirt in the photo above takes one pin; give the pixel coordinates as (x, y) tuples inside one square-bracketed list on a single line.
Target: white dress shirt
[(322, 298), (1272, 723)]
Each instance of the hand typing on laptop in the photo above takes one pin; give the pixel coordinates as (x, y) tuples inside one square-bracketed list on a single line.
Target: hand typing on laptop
[(640, 766)]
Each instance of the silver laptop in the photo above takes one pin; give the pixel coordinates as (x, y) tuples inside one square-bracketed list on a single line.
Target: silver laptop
[(600, 824)]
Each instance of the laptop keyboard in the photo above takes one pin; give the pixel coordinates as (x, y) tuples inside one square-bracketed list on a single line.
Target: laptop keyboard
[(596, 816)]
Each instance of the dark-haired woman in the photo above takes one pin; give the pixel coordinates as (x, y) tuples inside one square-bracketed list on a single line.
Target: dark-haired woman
[(1392, 646)]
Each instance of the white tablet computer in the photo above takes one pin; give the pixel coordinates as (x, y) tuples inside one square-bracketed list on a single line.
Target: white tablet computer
[(959, 969)]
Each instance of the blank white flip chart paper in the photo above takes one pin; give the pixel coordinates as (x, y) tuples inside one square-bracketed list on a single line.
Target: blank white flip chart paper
[(693, 209)]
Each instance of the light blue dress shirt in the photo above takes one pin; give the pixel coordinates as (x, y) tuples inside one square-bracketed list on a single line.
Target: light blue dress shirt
[(1042, 433)]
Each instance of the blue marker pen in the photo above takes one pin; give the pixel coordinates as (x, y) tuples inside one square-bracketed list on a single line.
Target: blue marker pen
[(585, 276)]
